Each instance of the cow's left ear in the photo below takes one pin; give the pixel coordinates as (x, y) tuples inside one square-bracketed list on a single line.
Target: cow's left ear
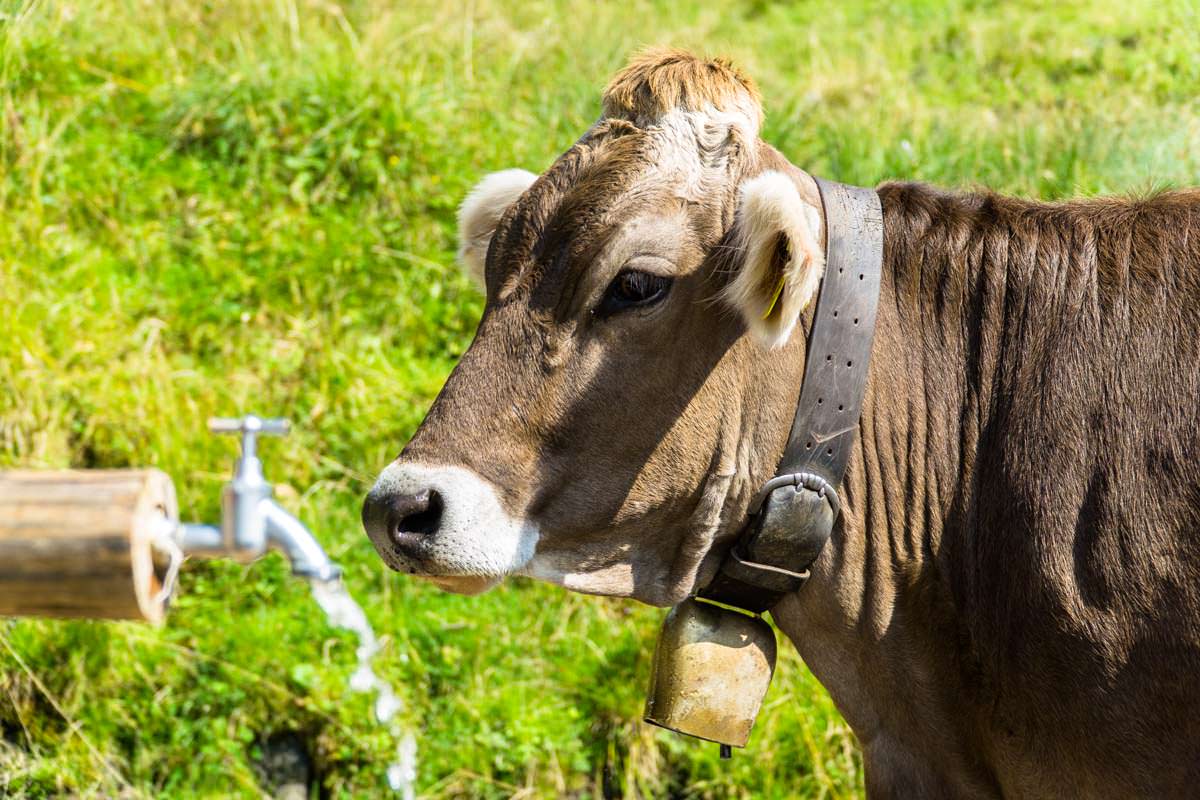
[(779, 237), (481, 211)]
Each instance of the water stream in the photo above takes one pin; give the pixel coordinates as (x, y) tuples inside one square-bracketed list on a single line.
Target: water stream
[(343, 612)]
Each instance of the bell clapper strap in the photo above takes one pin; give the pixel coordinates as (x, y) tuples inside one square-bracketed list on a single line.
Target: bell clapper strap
[(792, 516)]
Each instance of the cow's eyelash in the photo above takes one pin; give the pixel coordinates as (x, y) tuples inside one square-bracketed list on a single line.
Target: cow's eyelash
[(633, 289)]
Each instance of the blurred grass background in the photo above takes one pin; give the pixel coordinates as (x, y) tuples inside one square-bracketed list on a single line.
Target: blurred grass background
[(211, 208)]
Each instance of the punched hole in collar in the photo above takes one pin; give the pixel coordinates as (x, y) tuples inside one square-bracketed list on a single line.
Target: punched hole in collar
[(808, 446)]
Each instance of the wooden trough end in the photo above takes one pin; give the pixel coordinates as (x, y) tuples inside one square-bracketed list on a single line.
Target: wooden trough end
[(79, 543)]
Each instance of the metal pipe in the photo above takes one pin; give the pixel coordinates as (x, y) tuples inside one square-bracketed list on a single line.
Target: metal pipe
[(200, 540)]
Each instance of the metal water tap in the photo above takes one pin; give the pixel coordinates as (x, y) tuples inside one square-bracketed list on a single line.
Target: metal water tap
[(251, 521)]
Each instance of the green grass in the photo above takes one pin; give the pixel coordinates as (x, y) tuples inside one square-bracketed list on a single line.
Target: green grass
[(208, 208)]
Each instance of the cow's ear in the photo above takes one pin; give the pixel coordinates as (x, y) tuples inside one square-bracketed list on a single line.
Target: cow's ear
[(778, 235), (481, 211)]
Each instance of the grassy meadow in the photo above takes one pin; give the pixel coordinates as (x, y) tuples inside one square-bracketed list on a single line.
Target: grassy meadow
[(218, 207)]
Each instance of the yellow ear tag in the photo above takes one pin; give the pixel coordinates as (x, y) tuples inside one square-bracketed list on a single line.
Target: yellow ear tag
[(774, 298)]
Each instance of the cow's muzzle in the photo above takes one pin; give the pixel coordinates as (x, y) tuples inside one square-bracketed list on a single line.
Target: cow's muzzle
[(444, 522), (402, 523)]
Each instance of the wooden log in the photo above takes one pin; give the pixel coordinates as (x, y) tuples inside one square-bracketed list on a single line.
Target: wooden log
[(78, 543)]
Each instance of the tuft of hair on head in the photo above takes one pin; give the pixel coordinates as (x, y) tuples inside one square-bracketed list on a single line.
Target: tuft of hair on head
[(661, 79)]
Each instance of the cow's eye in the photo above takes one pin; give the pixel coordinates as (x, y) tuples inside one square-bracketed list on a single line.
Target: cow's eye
[(633, 289)]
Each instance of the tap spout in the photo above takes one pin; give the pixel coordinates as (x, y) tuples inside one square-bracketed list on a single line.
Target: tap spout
[(288, 535)]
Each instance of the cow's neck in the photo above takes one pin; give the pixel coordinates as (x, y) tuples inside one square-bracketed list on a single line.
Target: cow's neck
[(873, 621)]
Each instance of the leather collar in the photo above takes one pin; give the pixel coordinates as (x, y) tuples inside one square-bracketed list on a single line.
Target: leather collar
[(792, 516)]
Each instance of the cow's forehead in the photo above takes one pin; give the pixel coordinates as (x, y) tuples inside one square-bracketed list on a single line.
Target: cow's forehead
[(615, 176)]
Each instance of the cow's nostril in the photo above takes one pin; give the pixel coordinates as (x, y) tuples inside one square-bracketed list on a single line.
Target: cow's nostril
[(415, 515)]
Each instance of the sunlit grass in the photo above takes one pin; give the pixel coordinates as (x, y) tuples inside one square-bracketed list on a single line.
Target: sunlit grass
[(223, 207)]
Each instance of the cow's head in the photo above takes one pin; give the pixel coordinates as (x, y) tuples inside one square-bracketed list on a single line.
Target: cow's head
[(634, 374)]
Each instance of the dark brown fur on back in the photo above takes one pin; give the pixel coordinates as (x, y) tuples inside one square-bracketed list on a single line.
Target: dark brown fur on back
[(1051, 434)]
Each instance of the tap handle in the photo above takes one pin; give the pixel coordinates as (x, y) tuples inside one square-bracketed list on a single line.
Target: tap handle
[(250, 427), (249, 424)]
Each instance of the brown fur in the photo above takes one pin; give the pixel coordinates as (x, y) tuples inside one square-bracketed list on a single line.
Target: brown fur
[(1029, 448), (659, 80), (1010, 604)]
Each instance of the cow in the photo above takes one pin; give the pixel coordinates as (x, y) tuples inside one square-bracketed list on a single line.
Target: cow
[(1009, 603)]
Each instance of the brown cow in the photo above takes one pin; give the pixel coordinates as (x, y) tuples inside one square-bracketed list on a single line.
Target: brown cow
[(1010, 602)]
